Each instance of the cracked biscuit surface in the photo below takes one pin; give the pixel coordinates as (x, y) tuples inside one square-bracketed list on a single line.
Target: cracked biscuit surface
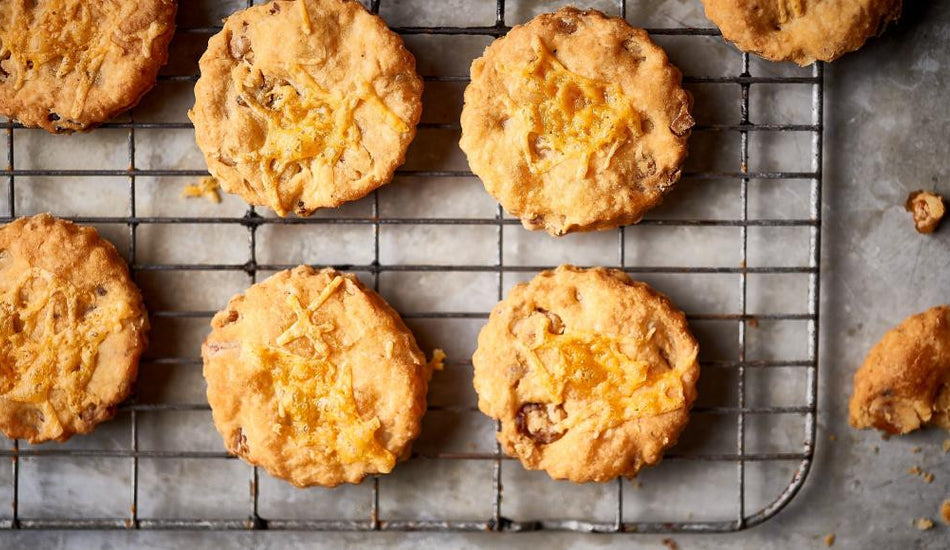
[(313, 377), (802, 31), (305, 104), (591, 374), (904, 383), (576, 121), (68, 65), (72, 329)]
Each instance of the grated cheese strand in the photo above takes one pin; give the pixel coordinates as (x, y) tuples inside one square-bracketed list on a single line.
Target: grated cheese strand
[(567, 116), (309, 128), (592, 368), (316, 404)]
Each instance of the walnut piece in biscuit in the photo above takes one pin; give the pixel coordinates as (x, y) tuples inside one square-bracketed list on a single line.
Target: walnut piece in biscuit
[(904, 382), (305, 104), (591, 374), (68, 65), (801, 31), (313, 377), (576, 121), (72, 329), (928, 210)]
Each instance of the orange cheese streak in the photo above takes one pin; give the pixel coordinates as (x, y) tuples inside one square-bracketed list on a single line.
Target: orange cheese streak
[(309, 127), (315, 401), (568, 116), (68, 35), (49, 332), (591, 367)]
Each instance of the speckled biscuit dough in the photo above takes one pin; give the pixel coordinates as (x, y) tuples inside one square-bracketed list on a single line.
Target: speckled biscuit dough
[(591, 374), (305, 104), (72, 329), (313, 377), (802, 31), (576, 121), (68, 65), (904, 382)]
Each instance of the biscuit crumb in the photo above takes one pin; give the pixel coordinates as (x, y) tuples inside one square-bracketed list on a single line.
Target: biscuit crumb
[(438, 360), (832, 437), (946, 446), (928, 209), (830, 539), (945, 511), (916, 450), (207, 187), (922, 524), (921, 473), (670, 544)]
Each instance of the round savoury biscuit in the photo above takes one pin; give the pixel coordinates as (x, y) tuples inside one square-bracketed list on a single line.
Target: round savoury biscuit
[(305, 104), (802, 31), (904, 382), (576, 121), (313, 377), (72, 329), (68, 65), (591, 374)]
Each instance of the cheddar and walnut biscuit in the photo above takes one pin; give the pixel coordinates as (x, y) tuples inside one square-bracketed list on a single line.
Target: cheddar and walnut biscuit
[(68, 65), (72, 329), (904, 382), (576, 121), (313, 377), (802, 31), (305, 104), (591, 374)]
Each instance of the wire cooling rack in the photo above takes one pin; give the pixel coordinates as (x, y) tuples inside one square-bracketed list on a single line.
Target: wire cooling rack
[(134, 485)]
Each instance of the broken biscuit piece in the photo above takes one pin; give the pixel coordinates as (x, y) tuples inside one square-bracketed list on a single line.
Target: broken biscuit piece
[(928, 210), (904, 382)]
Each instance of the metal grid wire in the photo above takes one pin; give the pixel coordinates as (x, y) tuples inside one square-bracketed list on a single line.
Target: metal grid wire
[(497, 521)]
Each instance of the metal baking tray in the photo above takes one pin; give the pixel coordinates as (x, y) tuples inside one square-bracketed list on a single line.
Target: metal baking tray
[(737, 245)]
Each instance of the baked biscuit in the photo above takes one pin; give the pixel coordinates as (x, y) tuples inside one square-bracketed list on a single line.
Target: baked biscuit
[(802, 31), (315, 378), (591, 374), (72, 329), (305, 104), (576, 121), (68, 65), (904, 382)]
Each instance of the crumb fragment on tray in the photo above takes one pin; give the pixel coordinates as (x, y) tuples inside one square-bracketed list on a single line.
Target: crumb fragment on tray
[(921, 473), (928, 209), (670, 544), (830, 540), (437, 362), (206, 187), (922, 524), (945, 511)]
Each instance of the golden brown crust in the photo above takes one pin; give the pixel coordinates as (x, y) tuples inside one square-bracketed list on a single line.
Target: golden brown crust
[(298, 430), (928, 210), (305, 104), (72, 329), (802, 31), (607, 330), (598, 85), (904, 382), (68, 65)]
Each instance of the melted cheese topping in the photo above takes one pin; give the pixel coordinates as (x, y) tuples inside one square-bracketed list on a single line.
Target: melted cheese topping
[(206, 187), (316, 405), (309, 128), (592, 368), (567, 116), (50, 333), (67, 37)]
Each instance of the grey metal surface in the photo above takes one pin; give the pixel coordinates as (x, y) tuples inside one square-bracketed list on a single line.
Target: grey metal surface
[(886, 136)]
